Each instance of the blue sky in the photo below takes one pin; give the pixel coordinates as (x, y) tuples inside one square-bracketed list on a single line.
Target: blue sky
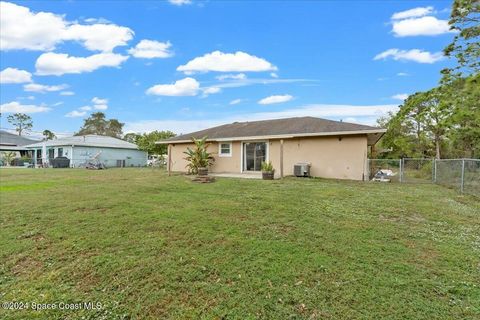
[(186, 65)]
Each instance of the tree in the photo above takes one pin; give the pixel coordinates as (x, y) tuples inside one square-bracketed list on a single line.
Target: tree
[(445, 119), (98, 124), (465, 133), (48, 135), (147, 142), (465, 47), (421, 125), (132, 137), (434, 115), (398, 139), (114, 128), (22, 122)]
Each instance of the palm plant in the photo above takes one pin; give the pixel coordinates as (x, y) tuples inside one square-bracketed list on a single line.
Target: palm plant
[(8, 157), (198, 157)]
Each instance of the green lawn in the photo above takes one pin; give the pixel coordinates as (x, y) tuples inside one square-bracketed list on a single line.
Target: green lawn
[(149, 246)]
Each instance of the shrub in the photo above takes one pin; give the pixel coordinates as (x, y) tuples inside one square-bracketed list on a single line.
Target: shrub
[(267, 166)]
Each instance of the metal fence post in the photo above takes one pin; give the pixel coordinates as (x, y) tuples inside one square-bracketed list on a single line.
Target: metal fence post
[(401, 170), (463, 176), (434, 170)]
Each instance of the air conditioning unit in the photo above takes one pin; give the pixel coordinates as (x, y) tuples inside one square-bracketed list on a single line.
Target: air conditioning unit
[(301, 169)]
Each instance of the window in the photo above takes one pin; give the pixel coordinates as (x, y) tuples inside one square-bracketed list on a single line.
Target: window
[(51, 153), (60, 152), (225, 149)]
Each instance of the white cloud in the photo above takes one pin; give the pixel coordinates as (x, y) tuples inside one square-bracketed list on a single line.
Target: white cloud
[(273, 75), (239, 76), (100, 107), (185, 87), (60, 63), (180, 2), (362, 114), (276, 99), (27, 98), (149, 49), (24, 29), (98, 104), (210, 90), (97, 20), (99, 37), (412, 13), (57, 104), (40, 88), (13, 75), (236, 101), (97, 100), (415, 55), (67, 93), (424, 26), (15, 107), (256, 81), (75, 114), (400, 96), (403, 74), (226, 62)]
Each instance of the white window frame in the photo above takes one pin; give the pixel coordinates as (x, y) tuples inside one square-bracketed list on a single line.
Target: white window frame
[(220, 154)]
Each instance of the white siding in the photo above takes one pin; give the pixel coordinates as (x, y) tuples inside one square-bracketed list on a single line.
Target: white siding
[(109, 156)]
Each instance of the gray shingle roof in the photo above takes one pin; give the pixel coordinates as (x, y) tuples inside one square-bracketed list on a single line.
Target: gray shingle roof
[(10, 139), (288, 126), (87, 140)]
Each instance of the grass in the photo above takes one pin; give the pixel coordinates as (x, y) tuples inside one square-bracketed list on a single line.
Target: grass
[(149, 246)]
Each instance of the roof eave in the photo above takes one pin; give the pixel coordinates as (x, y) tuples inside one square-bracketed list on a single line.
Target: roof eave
[(283, 136)]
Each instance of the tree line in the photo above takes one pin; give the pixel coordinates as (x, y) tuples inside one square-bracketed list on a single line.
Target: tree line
[(98, 124), (443, 122)]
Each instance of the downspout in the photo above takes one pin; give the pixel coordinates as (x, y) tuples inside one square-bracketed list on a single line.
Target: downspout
[(281, 158), (169, 156)]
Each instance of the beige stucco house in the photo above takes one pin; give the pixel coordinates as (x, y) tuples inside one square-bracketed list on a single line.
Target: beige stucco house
[(334, 149)]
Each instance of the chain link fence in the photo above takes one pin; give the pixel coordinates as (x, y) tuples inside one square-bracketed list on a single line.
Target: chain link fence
[(460, 174), (8, 161), (417, 170)]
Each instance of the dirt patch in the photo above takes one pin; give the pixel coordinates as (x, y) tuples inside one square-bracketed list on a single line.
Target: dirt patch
[(26, 265)]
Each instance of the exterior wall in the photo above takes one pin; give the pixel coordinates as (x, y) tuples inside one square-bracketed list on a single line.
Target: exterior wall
[(330, 157), (109, 156), (221, 164)]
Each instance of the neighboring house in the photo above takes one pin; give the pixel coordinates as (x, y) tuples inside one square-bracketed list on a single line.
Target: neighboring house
[(10, 142), (334, 149), (112, 152), (13, 142)]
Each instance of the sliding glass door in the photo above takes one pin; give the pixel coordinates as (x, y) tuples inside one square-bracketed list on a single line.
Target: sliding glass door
[(254, 153)]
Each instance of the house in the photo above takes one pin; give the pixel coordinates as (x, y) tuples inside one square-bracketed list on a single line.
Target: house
[(335, 149), (13, 142), (10, 142), (112, 152)]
